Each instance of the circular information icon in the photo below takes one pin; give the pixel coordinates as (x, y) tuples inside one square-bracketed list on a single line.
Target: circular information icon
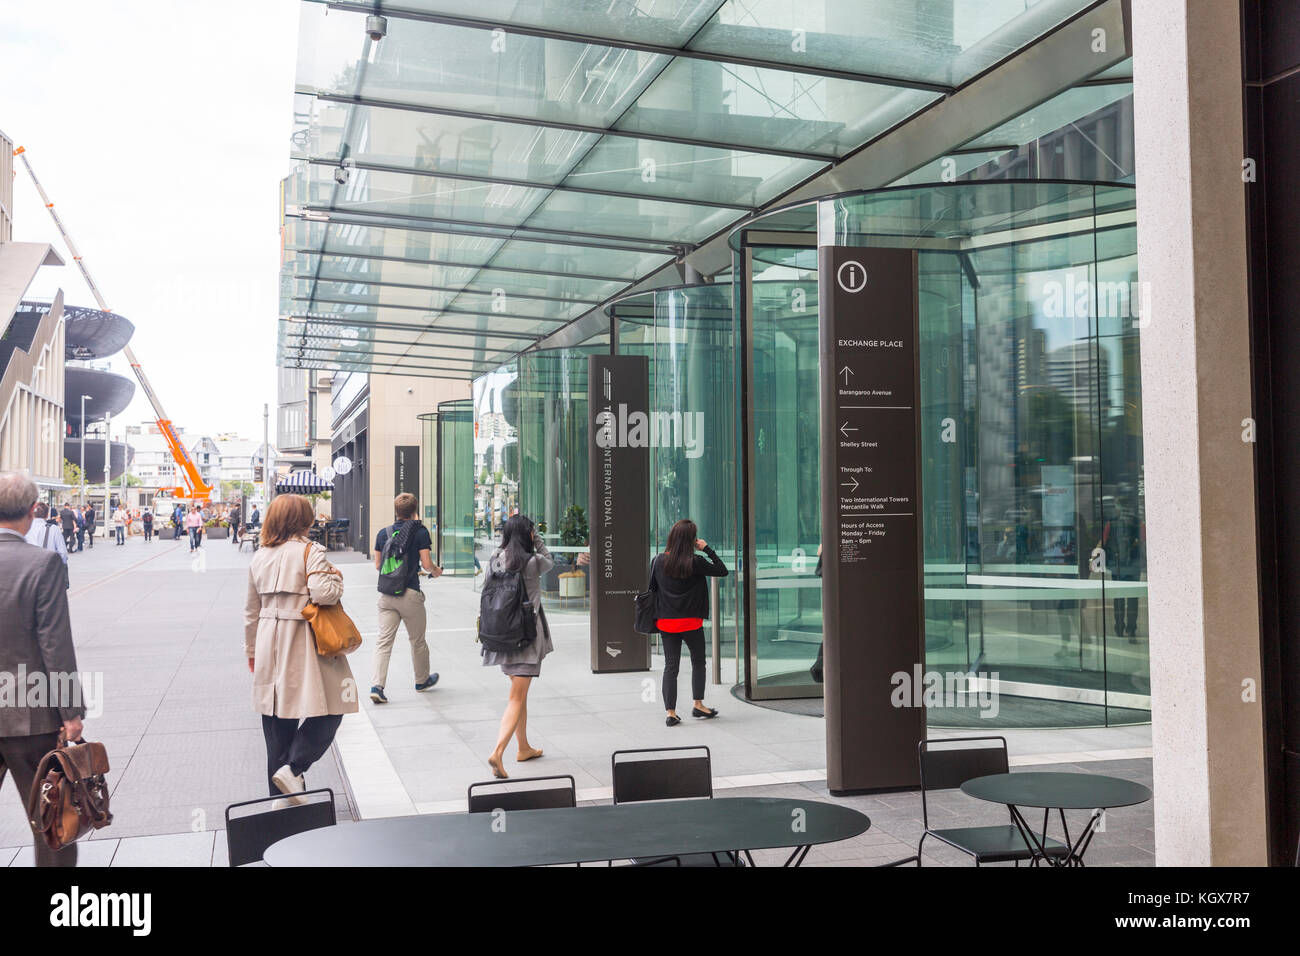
[(342, 465), (327, 473), (851, 276)]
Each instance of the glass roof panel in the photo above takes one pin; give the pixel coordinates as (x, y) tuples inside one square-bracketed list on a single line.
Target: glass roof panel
[(947, 42), (678, 170), (748, 106), (433, 300), (403, 194), (426, 275), (633, 218), (666, 22), (512, 327), (1059, 111), (350, 238), (537, 255), (477, 71), (446, 144)]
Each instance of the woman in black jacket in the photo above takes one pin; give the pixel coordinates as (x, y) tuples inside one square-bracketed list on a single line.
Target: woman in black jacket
[(682, 605)]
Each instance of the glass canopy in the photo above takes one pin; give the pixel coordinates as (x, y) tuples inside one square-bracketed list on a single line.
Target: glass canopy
[(486, 173)]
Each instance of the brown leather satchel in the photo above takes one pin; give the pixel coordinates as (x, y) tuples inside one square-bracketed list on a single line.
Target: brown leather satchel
[(334, 631), (69, 794)]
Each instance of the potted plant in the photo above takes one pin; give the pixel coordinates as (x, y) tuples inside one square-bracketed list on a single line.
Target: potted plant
[(216, 528)]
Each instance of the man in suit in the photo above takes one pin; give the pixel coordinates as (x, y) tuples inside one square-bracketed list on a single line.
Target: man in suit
[(69, 521), (90, 525), (36, 641)]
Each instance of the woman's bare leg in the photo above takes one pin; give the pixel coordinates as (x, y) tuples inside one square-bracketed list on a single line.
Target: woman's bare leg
[(525, 750), (509, 721)]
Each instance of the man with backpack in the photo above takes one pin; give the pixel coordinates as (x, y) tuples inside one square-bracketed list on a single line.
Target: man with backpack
[(401, 550)]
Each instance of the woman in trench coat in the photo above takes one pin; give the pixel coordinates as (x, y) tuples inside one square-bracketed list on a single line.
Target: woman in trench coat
[(291, 682)]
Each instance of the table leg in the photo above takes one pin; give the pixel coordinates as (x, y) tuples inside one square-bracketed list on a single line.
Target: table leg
[(1075, 848), (798, 856)]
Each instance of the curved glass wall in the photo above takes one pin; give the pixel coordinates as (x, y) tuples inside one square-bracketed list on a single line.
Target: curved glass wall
[(531, 457), (1033, 511), (455, 496), (687, 335)]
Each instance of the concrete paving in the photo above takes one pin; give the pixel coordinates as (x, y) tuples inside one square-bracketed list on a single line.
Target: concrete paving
[(165, 630)]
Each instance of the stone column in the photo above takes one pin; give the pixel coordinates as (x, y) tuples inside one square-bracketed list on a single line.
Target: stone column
[(1196, 390)]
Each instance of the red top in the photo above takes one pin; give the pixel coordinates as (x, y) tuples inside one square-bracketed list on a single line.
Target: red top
[(678, 625)]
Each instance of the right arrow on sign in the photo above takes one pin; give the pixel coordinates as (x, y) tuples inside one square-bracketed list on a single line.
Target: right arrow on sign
[(853, 487)]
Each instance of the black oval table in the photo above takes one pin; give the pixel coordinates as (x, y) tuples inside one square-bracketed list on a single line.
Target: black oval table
[(1054, 790), (628, 831)]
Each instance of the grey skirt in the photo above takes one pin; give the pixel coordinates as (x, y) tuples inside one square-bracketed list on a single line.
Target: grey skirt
[(526, 662)]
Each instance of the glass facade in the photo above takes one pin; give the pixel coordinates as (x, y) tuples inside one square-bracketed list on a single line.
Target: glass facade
[(687, 335), (1033, 510), (452, 441)]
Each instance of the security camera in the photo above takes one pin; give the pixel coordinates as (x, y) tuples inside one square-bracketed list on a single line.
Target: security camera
[(341, 175), (376, 27)]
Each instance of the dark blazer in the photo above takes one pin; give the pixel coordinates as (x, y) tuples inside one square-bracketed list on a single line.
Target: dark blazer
[(35, 638), (685, 597)]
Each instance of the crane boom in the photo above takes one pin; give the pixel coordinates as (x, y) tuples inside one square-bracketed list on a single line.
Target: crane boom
[(197, 487)]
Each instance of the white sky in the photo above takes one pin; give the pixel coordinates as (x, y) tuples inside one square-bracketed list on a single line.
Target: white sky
[(161, 131)]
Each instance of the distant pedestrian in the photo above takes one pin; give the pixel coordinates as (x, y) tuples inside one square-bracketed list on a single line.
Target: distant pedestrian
[(194, 525), (37, 638), (413, 545), (90, 526), (291, 682), (178, 521), (147, 520), (68, 518), (679, 578), (119, 524), (236, 519), (523, 552), (81, 528), (45, 533), (255, 521)]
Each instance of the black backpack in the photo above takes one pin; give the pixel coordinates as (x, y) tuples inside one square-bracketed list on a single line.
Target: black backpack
[(393, 572), (506, 621)]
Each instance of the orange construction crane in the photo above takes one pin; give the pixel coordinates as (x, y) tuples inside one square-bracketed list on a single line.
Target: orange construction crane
[(196, 488)]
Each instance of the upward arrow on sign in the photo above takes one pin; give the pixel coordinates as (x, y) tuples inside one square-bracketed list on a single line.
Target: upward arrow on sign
[(846, 372)]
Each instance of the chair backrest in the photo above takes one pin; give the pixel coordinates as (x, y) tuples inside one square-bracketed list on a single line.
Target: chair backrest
[(249, 834), (523, 793), (672, 773), (948, 762)]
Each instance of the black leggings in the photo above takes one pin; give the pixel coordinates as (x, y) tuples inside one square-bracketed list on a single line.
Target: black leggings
[(298, 745), (673, 660)]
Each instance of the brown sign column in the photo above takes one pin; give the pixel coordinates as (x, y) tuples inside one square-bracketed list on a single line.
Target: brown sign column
[(618, 392), (871, 495)]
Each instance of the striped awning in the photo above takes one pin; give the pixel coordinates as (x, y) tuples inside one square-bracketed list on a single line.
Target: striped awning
[(302, 483)]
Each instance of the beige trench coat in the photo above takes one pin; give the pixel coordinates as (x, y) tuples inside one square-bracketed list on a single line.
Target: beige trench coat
[(289, 678)]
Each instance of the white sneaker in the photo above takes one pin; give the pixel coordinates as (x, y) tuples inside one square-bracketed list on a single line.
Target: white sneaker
[(288, 783)]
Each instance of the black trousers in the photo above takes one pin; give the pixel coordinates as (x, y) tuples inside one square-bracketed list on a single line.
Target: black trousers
[(673, 662), (20, 757), (295, 744), (90, 536)]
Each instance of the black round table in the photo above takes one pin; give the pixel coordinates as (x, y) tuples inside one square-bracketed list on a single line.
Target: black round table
[(627, 831), (1048, 791)]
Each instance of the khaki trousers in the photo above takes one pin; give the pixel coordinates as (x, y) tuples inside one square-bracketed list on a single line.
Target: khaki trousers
[(406, 608)]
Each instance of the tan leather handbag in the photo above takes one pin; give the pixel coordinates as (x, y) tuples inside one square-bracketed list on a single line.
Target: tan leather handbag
[(69, 794), (334, 631)]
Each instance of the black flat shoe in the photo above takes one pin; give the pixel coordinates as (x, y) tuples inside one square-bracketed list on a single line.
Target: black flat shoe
[(704, 714), (672, 720)]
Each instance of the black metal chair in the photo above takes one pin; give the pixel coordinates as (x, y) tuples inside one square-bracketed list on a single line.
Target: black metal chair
[(945, 765), (248, 835), (522, 793), (676, 777)]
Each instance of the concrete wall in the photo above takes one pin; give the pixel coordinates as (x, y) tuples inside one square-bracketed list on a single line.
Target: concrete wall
[(395, 403)]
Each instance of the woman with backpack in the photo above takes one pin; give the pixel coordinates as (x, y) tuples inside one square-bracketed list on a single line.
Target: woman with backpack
[(521, 553), (678, 577)]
